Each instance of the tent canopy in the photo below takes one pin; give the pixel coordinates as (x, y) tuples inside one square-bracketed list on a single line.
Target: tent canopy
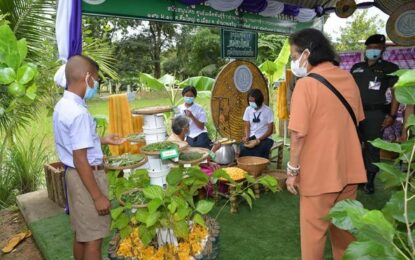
[(286, 21)]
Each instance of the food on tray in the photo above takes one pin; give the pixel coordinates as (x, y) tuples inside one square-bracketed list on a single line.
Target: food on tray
[(190, 156), (235, 173), (226, 141), (157, 147), (135, 137), (135, 198), (124, 160)]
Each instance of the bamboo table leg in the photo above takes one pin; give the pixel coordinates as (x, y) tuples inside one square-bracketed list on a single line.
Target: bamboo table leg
[(233, 199), (257, 191), (280, 156)]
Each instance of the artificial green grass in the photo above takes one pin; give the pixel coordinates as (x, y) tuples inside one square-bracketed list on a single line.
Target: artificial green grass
[(269, 231)]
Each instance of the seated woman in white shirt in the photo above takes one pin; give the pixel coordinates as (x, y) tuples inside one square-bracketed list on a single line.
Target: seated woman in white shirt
[(259, 125), (197, 134)]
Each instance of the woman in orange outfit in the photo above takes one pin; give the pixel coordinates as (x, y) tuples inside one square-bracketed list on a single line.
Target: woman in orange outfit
[(326, 163)]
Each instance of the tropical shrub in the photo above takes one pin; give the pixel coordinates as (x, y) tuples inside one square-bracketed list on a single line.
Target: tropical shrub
[(388, 233)]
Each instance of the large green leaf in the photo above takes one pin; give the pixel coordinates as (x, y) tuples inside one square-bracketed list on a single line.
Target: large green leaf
[(269, 182), (181, 203), (200, 83), (101, 52), (151, 82), (125, 231), (204, 206), (9, 53), (25, 74), (31, 92), (346, 215), (406, 78), (410, 121), (247, 198), (22, 48), (152, 218), (181, 229), (174, 176), (387, 146), (198, 219), (115, 213), (395, 207), (122, 221), (154, 192), (369, 250), (282, 60), (375, 227), (7, 76), (182, 213), (405, 95), (153, 205), (268, 68), (142, 215), (391, 176), (146, 234), (167, 79), (16, 90), (33, 20)]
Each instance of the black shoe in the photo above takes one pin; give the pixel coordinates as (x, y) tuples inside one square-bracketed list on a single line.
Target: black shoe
[(369, 189)]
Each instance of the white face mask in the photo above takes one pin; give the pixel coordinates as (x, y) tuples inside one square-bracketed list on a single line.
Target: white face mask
[(296, 69)]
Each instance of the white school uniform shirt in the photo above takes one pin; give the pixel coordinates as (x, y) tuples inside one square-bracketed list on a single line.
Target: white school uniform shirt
[(74, 129), (266, 118), (199, 114)]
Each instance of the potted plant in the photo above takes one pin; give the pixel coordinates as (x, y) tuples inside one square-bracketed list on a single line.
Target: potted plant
[(172, 225)]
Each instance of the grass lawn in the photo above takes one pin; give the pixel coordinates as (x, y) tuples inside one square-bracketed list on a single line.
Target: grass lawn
[(269, 231)]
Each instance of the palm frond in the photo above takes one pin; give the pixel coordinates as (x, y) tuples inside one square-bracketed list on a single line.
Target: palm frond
[(31, 19), (102, 53)]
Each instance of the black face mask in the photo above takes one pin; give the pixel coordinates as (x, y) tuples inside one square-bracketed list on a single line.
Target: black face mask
[(256, 118)]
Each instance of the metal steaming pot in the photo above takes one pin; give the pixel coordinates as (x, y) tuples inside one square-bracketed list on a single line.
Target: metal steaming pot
[(225, 154)]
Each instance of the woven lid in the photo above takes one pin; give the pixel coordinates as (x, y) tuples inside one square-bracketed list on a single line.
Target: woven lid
[(230, 95), (345, 8), (151, 110), (388, 6), (400, 26)]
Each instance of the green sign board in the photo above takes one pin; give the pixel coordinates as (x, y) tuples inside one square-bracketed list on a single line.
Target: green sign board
[(239, 44), (175, 11)]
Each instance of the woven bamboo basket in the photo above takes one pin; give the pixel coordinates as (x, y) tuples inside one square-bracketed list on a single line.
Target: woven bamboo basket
[(228, 104), (137, 206), (253, 165), (120, 168), (203, 151)]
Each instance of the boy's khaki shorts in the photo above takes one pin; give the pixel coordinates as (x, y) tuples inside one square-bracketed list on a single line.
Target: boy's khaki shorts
[(85, 221)]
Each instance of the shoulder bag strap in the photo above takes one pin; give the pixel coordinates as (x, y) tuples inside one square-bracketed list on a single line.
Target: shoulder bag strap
[(337, 93)]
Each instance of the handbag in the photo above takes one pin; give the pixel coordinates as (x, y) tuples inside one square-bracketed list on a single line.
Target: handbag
[(338, 95)]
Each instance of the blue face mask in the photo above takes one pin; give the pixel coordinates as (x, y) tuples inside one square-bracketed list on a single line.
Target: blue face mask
[(253, 105), (189, 100), (91, 91), (373, 54)]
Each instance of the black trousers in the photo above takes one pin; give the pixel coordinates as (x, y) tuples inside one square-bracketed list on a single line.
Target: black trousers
[(201, 140), (369, 130), (261, 150)]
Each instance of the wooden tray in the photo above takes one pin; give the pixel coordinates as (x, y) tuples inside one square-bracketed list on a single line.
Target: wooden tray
[(137, 140), (151, 110), (137, 206), (181, 147), (132, 166), (228, 104), (197, 150)]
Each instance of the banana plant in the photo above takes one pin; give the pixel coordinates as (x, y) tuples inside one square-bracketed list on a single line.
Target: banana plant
[(274, 70), (168, 84)]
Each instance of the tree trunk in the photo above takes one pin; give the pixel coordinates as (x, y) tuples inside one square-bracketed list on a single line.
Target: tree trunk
[(156, 30)]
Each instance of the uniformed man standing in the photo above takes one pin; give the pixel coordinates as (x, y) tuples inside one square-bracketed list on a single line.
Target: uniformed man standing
[(373, 80)]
